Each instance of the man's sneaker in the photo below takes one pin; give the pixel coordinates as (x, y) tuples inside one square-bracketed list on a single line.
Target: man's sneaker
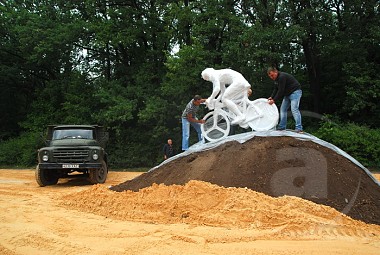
[(238, 119), (299, 131)]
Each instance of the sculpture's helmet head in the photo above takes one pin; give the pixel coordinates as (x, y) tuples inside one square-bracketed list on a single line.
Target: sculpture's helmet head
[(207, 74)]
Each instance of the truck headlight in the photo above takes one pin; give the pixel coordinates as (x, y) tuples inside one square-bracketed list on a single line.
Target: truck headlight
[(95, 156), (45, 158)]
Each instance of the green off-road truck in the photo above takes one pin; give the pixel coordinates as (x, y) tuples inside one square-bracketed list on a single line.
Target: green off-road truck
[(73, 150)]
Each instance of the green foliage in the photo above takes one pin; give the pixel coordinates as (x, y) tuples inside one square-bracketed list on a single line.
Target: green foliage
[(351, 71), (111, 63), (183, 79), (133, 148), (363, 92), (114, 104), (20, 151), (62, 101), (361, 142)]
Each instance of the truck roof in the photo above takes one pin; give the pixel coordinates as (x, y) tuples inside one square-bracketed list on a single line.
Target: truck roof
[(73, 126)]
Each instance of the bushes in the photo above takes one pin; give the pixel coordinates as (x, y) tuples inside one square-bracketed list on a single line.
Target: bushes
[(361, 142), (20, 151)]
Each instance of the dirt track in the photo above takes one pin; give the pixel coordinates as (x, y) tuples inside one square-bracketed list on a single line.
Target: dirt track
[(48, 220)]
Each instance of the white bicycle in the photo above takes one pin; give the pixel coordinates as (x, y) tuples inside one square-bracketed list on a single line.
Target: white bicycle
[(259, 116)]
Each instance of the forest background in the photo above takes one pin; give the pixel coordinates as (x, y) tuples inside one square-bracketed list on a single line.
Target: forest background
[(133, 65)]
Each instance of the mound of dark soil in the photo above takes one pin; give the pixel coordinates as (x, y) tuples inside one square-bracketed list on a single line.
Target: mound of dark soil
[(276, 166)]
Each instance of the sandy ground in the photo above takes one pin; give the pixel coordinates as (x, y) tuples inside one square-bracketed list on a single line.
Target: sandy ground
[(74, 217)]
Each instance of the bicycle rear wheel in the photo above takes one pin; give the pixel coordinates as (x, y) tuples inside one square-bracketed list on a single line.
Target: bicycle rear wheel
[(216, 126), (262, 115)]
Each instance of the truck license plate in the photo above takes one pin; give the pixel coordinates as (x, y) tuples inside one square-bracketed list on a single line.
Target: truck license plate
[(70, 166)]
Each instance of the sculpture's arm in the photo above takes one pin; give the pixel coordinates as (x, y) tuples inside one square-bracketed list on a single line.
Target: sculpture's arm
[(216, 88)]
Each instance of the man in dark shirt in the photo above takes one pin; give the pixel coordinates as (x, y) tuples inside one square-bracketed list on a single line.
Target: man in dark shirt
[(189, 118), (168, 149), (289, 89)]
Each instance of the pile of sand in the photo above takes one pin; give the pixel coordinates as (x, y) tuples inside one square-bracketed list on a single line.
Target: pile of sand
[(201, 203), (274, 166), (245, 186)]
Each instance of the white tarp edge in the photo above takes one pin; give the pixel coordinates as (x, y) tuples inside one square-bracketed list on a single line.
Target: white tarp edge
[(242, 138)]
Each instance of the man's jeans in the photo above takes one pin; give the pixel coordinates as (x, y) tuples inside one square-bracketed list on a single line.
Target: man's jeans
[(293, 100), (186, 132)]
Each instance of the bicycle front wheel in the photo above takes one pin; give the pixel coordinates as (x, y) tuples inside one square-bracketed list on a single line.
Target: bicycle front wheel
[(261, 115), (216, 126)]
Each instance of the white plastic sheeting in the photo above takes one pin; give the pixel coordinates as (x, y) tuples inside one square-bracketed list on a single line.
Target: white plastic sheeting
[(242, 138)]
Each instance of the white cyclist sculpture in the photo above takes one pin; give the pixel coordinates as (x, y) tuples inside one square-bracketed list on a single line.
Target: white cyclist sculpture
[(238, 86), (230, 104)]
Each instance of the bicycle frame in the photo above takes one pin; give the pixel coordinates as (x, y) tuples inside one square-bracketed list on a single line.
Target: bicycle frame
[(259, 116), (243, 107)]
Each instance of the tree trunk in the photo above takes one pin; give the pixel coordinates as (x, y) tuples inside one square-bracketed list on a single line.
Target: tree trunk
[(314, 72)]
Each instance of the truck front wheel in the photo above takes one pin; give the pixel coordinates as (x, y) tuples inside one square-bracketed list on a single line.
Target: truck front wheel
[(45, 177), (98, 175)]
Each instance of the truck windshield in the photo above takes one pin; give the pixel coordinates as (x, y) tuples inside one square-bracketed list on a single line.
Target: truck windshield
[(72, 134)]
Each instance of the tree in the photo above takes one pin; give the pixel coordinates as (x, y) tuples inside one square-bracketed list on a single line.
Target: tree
[(350, 69), (132, 66)]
